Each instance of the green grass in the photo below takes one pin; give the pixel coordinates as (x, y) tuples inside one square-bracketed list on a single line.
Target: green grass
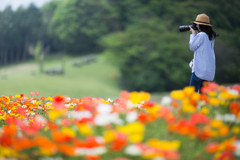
[(97, 79)]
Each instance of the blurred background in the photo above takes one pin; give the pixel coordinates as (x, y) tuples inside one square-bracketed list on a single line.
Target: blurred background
[(97, 48)]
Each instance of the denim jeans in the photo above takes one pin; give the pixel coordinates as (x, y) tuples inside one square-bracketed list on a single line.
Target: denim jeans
[(196, 82)]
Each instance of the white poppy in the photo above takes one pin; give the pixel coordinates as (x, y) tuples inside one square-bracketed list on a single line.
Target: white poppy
[(132, 116), (104, 108), (133, 150)]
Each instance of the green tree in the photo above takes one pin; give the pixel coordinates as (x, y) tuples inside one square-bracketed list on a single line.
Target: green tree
[(28, 24), (79, 23), (165, 62), (19, 29), (49, 39), (141, 35), (149, 56), (6, 23)]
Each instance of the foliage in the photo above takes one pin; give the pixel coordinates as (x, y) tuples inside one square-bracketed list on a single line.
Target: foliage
[(150, 57), (227, 60), (49, 39), (19, 30), (131, 126), (78, 22), (137, 74), (38, 52), (86, 26)]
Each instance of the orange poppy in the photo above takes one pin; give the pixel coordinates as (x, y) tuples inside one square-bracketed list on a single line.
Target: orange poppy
[(45, 143), (79, 143), (60, 137), (175, 104), (66, 149), (223, 130), (52, 126), (10, 129), (23, 143)]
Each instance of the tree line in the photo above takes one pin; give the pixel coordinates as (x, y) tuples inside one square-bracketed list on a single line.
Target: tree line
[(140, 36)]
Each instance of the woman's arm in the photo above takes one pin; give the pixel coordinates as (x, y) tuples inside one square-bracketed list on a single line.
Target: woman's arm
[(195, 40)]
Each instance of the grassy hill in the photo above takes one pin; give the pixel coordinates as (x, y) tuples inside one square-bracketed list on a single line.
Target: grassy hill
[(96, 79)]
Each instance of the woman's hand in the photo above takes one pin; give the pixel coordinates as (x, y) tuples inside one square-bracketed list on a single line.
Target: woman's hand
[(192, 30)]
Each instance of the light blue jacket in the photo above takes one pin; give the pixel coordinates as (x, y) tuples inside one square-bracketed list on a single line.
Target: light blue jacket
[(204, 56)]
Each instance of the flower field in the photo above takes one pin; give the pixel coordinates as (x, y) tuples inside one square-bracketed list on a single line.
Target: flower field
[(185, 126)]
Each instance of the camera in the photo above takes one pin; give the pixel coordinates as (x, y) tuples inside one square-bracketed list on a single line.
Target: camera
[(186, 27)]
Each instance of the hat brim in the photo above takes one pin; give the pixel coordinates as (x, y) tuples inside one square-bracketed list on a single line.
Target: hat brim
[(206, 24)]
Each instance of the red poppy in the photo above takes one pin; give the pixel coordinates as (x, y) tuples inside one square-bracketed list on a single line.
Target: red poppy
[(209, 86), (5, 140), (142, 117), (92, 142), (205, 134), (235, 107), (147, 105), (172, 155), (164, 112), (198, 118), (171, 118), (92, 157), (124, 94), (205, 89), (65, 122), (226, 156), (58, 99), (183, 127), (42, 98), (236, 87), (119, 142), (121, 158), (212, 147), (58, 102), (30, 130), (21, 111)]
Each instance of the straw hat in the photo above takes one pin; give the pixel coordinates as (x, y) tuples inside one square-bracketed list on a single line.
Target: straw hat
[(203, 19)]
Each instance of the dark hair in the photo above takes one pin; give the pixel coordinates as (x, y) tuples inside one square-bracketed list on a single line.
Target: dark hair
[(209, 31)]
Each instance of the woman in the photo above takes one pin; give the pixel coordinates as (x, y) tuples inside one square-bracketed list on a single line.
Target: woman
[(202, 43)]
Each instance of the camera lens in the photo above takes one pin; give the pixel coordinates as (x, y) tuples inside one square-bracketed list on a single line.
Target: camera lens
[(184, 28)]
